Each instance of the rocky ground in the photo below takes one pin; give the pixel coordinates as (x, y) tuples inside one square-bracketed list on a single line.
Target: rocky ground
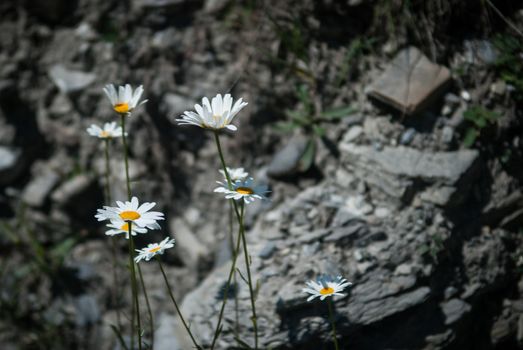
[(389, 134)]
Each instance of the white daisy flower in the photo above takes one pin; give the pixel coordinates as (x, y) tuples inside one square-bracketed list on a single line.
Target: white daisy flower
[(118, 226), (109, 130), (326, 286), (243, 189), (236, 174), (153, 249), (125, 100), (214, 115), (131, 211)]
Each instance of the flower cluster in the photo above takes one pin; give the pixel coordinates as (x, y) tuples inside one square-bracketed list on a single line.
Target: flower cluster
[(130, 218)]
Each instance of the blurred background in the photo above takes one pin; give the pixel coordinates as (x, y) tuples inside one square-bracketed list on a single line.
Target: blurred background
[(388, 131)]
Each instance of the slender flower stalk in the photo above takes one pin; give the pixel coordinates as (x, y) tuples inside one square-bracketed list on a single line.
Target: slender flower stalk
[(113, 240), (131, 251), (149, 311), (232, 272), (134, 289), (107, 172), (333, 324), (235, 283), (126, 157), (245, 250), (176, 304), (251, 291)]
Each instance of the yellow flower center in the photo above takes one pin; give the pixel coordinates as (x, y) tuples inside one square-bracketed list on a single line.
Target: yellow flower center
[(326, 290), (121, 107), (125, 227), (105, 134), (130, 215), (154, 250), (244, 190)]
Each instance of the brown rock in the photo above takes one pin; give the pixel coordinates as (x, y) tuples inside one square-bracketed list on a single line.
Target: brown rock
[(410, 82)]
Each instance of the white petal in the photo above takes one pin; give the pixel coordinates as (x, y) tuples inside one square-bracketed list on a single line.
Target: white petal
[(121, 94), (128, 93)]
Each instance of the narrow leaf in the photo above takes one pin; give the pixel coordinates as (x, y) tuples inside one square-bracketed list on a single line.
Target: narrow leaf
[(307, 158)]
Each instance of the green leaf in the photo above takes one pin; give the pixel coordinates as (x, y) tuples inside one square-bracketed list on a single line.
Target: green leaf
[(241, 276), (480, 116), (242, 343), (307, 158), (298, 117), (470, 137), (318, 130), (338, 113), (61, 250), (285, 126), (119, 336)]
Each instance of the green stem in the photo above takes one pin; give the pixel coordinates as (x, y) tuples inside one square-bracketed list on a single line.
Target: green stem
[(249, 280), (149, 312), (235, 283), (128, 182), (232, 272), (126, 158), (176, 304), (242, 234), (113, 240), (107, 172), (331, 318), (134, 288)]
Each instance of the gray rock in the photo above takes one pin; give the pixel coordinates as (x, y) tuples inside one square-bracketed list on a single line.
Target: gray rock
[(267, 250), (67, 80), (382, 213), (353, 133), (159, 3), (520, 330), (448, 167), (188, 246), (457, 120), (215, 5), (396, 170), (71, 189), (443, 196), (407, 137), (454, 310), (350, 232), (79, 189), (87, 310), (174, 104), (499, 87), (447, 134), (501, 330), (40, 187), (165, 338), (313, 236), (376, 310), (480, 51), (452, 99), (11, 164), (410, 82), (286, 161)]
